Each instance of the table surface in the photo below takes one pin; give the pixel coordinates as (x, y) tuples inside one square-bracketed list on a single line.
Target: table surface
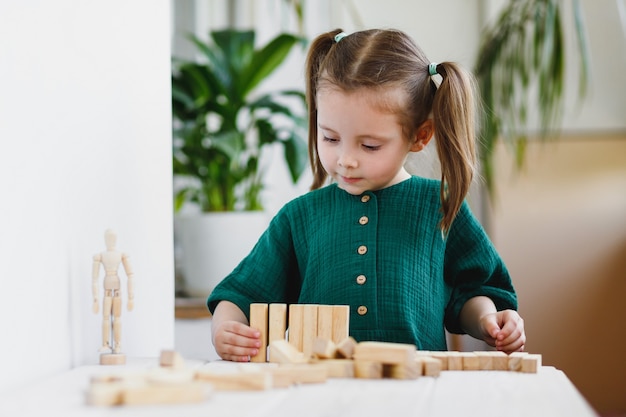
[(454, 393)]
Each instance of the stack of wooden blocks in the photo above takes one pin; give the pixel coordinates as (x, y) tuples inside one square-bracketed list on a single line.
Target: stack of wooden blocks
[(319, 334)]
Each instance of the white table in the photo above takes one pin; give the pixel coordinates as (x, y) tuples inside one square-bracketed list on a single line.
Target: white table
[(454, 393)]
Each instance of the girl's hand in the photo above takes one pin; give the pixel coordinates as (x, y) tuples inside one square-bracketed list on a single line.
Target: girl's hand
[(235, 341), (233, 338), (504, 330)]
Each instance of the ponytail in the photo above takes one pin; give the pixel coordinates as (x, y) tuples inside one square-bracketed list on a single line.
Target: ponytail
[(317, 52), (455, 129)]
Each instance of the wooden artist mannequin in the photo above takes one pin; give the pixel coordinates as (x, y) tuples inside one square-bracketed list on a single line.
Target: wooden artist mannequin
[(112, 301)]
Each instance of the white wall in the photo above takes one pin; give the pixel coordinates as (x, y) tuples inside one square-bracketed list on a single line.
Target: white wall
[(85, 134)]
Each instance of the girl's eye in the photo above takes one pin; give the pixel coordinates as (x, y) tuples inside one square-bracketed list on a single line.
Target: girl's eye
[(372, 147), (331, 140)]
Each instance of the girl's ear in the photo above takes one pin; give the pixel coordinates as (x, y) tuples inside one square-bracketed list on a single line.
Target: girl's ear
[(423, 135)]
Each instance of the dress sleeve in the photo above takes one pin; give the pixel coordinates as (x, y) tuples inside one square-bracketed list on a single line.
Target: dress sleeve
[(473, 268), (268, 274)]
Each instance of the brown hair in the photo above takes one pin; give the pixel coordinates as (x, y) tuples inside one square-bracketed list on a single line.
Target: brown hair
[(382, 59)]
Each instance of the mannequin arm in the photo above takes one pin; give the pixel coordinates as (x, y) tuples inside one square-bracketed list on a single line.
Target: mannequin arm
[(129, 273), (95, 272)]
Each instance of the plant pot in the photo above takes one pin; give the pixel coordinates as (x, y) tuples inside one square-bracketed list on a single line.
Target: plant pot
[(210, 245)]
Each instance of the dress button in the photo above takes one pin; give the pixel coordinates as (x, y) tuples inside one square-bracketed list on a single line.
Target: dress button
[(361, 279), (362, 250), (363, 220), (365, 198), (362, 310)]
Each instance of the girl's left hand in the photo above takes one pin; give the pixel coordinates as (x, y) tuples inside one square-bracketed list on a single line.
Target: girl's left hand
[(504, 330)]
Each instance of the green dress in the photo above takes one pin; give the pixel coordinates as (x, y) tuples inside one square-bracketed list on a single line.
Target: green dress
[(383, 254)]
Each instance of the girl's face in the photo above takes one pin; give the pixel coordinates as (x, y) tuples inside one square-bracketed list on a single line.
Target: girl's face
[(359, 145)]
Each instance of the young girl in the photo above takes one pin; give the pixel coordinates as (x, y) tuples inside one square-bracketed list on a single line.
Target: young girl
[(404, 252)]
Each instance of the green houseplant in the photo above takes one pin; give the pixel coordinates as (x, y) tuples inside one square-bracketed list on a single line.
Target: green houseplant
[(520, 70), (222, 123)]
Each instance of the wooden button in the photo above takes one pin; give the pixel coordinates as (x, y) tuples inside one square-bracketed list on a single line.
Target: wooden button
[(362, 250), (362, 310), (361, 279), (365, 198), (363, 220)]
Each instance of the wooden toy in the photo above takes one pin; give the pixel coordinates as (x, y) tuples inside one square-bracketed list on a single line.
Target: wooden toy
[(515, 361), (110, 261), (431, 366), (309, 328), (319, 334), (285, 375), (307, 322), (324, 348), (285, 352), (259, 320), (277, 322), (296, 323), (171, 383), (384, 352), (171, 358), (531, 363), (368, 369), (345, 348), (236, 380)]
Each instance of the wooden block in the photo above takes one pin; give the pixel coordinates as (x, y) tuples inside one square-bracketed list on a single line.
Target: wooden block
[(470, 361), (172, 359), (500, 361), (296, 317), (285, 352), (368, 369), (455, 361), (236, 380), (341, 323), (325, 322), (277, 322), (259, 321), (345, 347), (411, 370), (190, 392), (515, 361), (309, 328), (531, 363), (166, 375), (443, 357), (285, 375), (385, 352), (485, 361), (112, 359), (338, 368), (431, 366), (105, 393), (492, 360), (324, 348)]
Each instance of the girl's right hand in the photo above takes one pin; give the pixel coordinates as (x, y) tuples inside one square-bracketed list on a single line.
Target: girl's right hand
[(235, 341)]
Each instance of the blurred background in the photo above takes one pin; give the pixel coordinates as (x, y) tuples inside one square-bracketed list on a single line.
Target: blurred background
[(87, 93)]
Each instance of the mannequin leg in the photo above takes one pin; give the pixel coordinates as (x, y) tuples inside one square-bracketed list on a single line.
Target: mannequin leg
[(117, 322), (106, 323)]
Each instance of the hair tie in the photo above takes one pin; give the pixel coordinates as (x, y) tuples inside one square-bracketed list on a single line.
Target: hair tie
[(340, 36), (432, 68)]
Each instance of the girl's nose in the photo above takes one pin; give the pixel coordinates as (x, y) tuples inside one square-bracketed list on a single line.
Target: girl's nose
[(345, 160)]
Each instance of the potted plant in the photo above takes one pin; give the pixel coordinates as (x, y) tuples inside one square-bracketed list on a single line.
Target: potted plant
[(521, 75), (221, 126)]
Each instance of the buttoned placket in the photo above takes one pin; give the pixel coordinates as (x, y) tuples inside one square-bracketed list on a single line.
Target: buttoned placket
[(365, 222)]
